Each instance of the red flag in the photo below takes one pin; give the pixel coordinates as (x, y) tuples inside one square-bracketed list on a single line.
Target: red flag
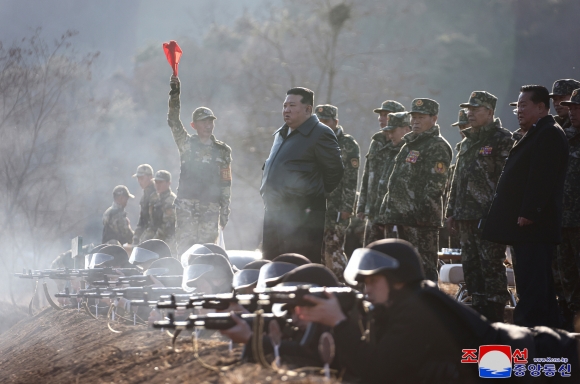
[(173, 54)]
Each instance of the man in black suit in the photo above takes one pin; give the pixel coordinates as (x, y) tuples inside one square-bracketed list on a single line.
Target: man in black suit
[(304, 164), (527, 208)]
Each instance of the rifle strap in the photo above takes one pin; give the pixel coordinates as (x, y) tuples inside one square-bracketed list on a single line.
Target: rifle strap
[(52, 303)]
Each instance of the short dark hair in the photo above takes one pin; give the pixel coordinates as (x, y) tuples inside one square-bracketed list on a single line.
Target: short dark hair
[(540, 94), (307, 95)]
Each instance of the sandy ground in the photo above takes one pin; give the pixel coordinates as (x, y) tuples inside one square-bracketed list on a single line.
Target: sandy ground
[(70, 347)]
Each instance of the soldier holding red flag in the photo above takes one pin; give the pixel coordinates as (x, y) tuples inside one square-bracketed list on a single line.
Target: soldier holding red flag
[(203, 194)]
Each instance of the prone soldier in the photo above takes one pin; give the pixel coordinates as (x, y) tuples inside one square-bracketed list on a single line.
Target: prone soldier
[(116, 225), (414, 194), (368, 202), (144, 176), (481, 157), (162, 210), (203, 194), (340, 203)]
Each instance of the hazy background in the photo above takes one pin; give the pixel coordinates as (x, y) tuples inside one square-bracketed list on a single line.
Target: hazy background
[(83, 90)]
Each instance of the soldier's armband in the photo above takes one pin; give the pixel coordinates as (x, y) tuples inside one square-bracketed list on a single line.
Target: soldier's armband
[(354, 162)]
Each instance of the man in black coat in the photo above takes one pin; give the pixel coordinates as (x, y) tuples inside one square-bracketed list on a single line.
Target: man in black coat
[(304, 165), (527, 208)]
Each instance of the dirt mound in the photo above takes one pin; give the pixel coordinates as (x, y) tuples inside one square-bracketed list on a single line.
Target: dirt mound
[(70, 347)]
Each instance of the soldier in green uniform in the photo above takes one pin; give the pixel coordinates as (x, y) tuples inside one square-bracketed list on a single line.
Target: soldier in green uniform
[(162, 211), (562, 91), (399, 124), (446, 238), (203, 194), (369, 202), (144, 176), (116, 225), (568, 257), (340, 203), (481, 158), (414, 201)]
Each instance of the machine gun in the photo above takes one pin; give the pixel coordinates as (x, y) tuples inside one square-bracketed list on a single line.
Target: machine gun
[(137, 281), (290, 295), (214, 321), (70, 274)]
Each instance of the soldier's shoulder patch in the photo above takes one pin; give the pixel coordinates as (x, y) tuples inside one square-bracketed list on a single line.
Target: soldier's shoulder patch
[(440, 167), (226, 173), (412, 156), (354, 162)]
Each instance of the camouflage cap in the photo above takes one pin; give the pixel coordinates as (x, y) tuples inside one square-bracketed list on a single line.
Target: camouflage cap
[(390, 106), (144, 170), (564, 87), (326, 111), (397, 119), (121, 190), (202, 113), (163, 176), (480, 99), (425, 106), (461, 119), (574, 100)]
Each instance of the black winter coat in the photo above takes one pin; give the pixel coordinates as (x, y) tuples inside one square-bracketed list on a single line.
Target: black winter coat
[(302, 166), (532, 186)]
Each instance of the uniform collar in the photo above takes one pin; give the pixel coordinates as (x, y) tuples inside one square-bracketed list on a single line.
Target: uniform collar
[(413, 137), (117, 206), (211, 138), (305, 128), (473, 134), (339, 132)]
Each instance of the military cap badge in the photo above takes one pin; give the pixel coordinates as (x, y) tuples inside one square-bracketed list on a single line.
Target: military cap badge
[(419, 103), (320, 109), (472, 94), (575, 92)]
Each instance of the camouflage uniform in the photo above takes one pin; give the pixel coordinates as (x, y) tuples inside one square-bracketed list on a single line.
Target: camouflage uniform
[(481, 158), (414, 200), (116, 225), (449, 239), (564, 87), (162, 213), (341, 199), (568, 257), (396, 120), (203, 194), (369, 199), (143, 230), (355, 233)]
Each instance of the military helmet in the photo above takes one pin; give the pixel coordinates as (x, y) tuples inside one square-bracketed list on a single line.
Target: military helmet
[(110, 256), (194, 251), (292, 258), (165, 266), (311, 274), (212, 266), (394, 258), (149, 250), (272, 273)]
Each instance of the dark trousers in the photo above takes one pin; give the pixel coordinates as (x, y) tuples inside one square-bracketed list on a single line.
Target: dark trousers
[(537, 303), (293, 230)]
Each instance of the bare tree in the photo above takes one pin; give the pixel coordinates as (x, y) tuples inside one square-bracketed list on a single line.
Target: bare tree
[(38, 101)]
